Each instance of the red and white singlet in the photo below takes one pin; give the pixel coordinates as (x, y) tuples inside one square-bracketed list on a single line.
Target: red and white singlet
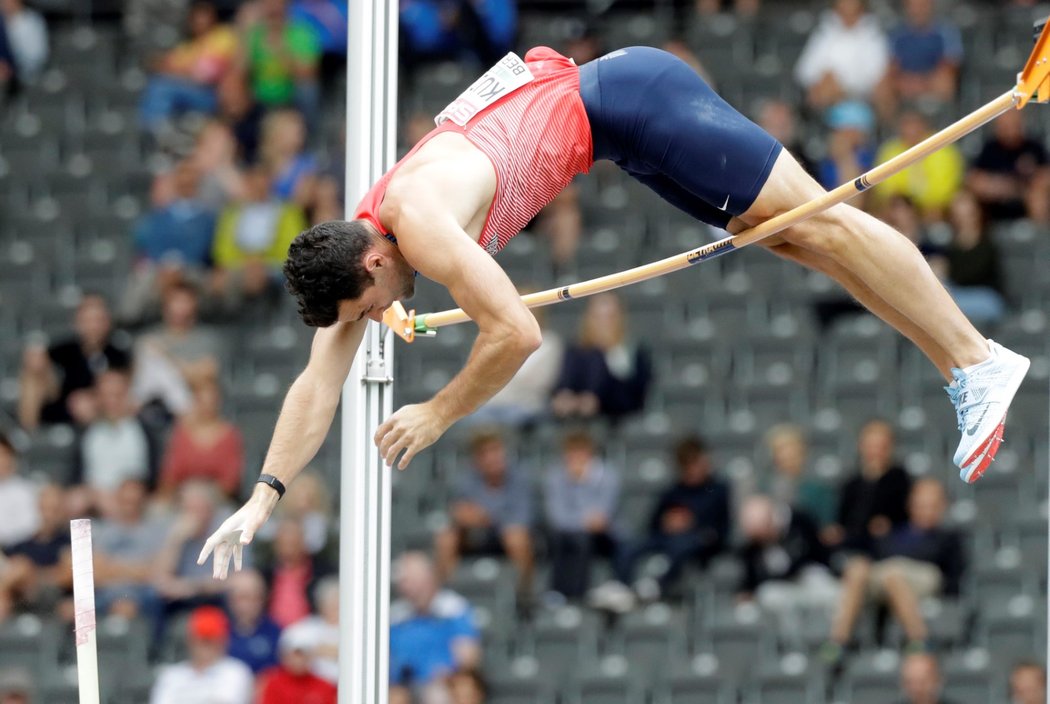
[(536, 135)]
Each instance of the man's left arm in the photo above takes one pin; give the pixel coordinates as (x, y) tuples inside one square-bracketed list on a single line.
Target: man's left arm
[(441, 250), (466, 641)]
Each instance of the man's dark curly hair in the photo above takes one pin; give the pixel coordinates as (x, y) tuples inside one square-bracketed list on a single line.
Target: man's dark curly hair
[(325, 266)]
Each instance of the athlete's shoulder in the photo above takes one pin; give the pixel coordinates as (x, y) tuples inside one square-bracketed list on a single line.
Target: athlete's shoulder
[(548, 58)]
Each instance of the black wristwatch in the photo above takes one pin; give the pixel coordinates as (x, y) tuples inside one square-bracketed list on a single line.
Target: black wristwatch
[(272, 482)]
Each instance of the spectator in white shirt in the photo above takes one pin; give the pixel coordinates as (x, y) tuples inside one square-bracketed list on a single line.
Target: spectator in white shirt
[(209, 676), (828, 69), (321, 632), (115, 447), (18, 503), (27, 35)]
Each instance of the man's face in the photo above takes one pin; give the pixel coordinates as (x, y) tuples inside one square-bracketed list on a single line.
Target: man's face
[(393, 280), (1027, 686), (920, 679), (919, 12), (296, 661), (180, 309), (131, 500), (202, 19), (758, 520), (246, 596), (491, 460), (876, 444), (695, 470), (849, 11), (577, 459), (926, 505), (112, 392), (912, 127), (789, 454), (205, 651), (92, 322), (197, 505), (416, 582)]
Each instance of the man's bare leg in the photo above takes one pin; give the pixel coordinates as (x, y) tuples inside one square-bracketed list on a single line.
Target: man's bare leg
[(877, 255), (851, 601), (904, 604)]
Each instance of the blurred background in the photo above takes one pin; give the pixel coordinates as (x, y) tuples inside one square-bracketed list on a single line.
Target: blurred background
[(725, 485)]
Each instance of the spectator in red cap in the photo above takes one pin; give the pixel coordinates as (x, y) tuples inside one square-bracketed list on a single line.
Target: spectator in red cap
[(291, 680), (209, 676)]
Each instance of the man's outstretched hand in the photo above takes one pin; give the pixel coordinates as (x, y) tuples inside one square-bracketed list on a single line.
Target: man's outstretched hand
[(409, 430), (237, 531)]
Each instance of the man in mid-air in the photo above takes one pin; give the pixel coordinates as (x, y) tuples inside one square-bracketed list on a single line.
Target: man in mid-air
[(503, 150)]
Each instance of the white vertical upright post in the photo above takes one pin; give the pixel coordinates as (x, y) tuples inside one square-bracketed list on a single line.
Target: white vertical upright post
[(364, 553), (84, 610)]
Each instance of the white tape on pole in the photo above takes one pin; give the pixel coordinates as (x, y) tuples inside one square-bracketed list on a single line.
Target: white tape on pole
[(84, 610), (364, 555)]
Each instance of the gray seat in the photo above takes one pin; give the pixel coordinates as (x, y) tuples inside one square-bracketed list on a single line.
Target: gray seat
[(651, 637), (740, 638), (698, 680), (565, 640), (486, 583), (968, 678), (872, 678), (29, 642), (1013, 630), (519, 682), (1028, 531), (793, 680), (612, 680)]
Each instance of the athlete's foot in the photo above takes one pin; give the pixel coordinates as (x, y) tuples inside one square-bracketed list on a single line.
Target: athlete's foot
[(982, 394)]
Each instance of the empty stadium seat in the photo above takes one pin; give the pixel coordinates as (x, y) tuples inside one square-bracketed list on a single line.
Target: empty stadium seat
[(565, 640), (612, 680), (872, 678)]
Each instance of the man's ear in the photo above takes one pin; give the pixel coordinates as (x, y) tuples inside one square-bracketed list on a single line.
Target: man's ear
[(373, 260)]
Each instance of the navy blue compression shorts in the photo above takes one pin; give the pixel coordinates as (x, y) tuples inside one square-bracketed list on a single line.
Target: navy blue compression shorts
[(661, 123)]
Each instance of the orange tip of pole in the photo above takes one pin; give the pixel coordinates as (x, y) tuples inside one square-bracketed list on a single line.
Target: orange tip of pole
[(1034, 80), (402, 323)]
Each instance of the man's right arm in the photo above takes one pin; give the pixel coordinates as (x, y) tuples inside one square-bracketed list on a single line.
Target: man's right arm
[(310, 404), (302, 426)]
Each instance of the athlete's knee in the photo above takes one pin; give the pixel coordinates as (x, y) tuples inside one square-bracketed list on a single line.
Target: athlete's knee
[(831, 233)]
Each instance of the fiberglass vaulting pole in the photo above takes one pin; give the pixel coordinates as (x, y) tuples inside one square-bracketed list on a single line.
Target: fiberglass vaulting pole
[(364, 517)]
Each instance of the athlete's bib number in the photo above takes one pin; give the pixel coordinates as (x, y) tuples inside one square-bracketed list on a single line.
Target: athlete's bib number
[(499, 81)]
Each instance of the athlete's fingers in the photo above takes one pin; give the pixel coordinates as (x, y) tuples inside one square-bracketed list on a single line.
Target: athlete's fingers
[(391, 439), (410, 452), (382, 430), (217, 560), (228, 557), (238, 556), (209, 545), (395, 448)]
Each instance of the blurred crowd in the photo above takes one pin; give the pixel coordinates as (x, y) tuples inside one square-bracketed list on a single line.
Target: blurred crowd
[(233, 110)]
